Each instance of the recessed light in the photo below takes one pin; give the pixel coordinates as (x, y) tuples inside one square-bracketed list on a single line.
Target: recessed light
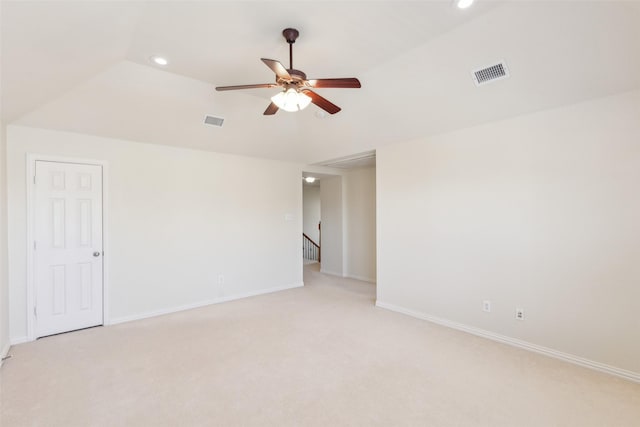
[(463, 4), (159, 60), (310, 179)]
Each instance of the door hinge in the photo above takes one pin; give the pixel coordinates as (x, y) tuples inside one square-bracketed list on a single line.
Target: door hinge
[(35, 311), (34, 245), (34, 179)]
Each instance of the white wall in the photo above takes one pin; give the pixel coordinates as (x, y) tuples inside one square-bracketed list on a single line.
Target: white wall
[(359, 200), (311, 211), (4, 278), (177, 219), (348, 212), (4, 286), (332, 233), (540, 212)]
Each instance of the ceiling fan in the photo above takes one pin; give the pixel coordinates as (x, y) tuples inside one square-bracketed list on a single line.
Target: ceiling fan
[(296, 91)]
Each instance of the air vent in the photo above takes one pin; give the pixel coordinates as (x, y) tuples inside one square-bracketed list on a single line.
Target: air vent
[(214, 121), (490, 74)]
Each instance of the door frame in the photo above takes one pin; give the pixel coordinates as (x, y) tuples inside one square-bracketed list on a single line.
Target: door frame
[(31, 159)]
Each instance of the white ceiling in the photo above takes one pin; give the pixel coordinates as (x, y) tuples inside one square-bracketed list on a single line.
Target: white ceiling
[(83, 67)]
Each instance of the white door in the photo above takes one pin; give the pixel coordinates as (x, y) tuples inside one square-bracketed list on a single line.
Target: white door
[(68, 247)]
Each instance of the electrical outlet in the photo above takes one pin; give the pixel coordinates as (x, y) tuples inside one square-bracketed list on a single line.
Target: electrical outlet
[(220, 279), (520, 313), (486, 306)]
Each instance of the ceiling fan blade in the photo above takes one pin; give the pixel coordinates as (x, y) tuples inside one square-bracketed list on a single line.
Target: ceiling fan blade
[(258, 86), (277, 68), (271, 110), (351, 82), (321, 102)]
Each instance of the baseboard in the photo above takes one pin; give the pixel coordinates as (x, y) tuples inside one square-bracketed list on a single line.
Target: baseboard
[(4, 353), (348, 276), (329, 272), (577, 360), (361, 278), (19, 340), (201, 304)]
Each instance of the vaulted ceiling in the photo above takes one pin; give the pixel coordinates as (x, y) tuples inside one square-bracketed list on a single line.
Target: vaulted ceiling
[(84, 67)]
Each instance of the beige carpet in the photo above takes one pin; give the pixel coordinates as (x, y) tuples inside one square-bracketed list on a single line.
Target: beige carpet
[(321, 355)]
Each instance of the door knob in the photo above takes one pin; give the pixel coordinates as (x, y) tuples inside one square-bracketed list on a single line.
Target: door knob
[(96, 254)]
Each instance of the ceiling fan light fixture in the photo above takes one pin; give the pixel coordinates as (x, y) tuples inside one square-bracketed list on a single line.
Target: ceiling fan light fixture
[(291, 100)]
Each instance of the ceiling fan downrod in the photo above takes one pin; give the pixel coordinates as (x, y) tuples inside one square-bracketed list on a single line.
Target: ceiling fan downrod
[(290, 35)]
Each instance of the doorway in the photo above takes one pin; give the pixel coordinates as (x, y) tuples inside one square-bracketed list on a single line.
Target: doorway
[(347, 212), (311, 221)]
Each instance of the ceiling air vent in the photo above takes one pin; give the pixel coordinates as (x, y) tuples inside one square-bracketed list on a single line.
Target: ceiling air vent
[(490, 74), (214, 121)]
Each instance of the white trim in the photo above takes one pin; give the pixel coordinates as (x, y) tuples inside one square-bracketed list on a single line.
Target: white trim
[(347, 276), (106, 254), (4, 353), (31, 159), (5, 350), (577, 360), (361, 278), (202, 303), (30, 173), (20, 340), (331, 273)]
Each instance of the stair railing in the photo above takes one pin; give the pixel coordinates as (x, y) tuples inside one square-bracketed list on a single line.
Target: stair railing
[(310, 249)]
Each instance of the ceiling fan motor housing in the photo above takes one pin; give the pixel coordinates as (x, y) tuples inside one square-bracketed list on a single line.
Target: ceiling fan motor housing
[(290, 35), (297, 78)]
